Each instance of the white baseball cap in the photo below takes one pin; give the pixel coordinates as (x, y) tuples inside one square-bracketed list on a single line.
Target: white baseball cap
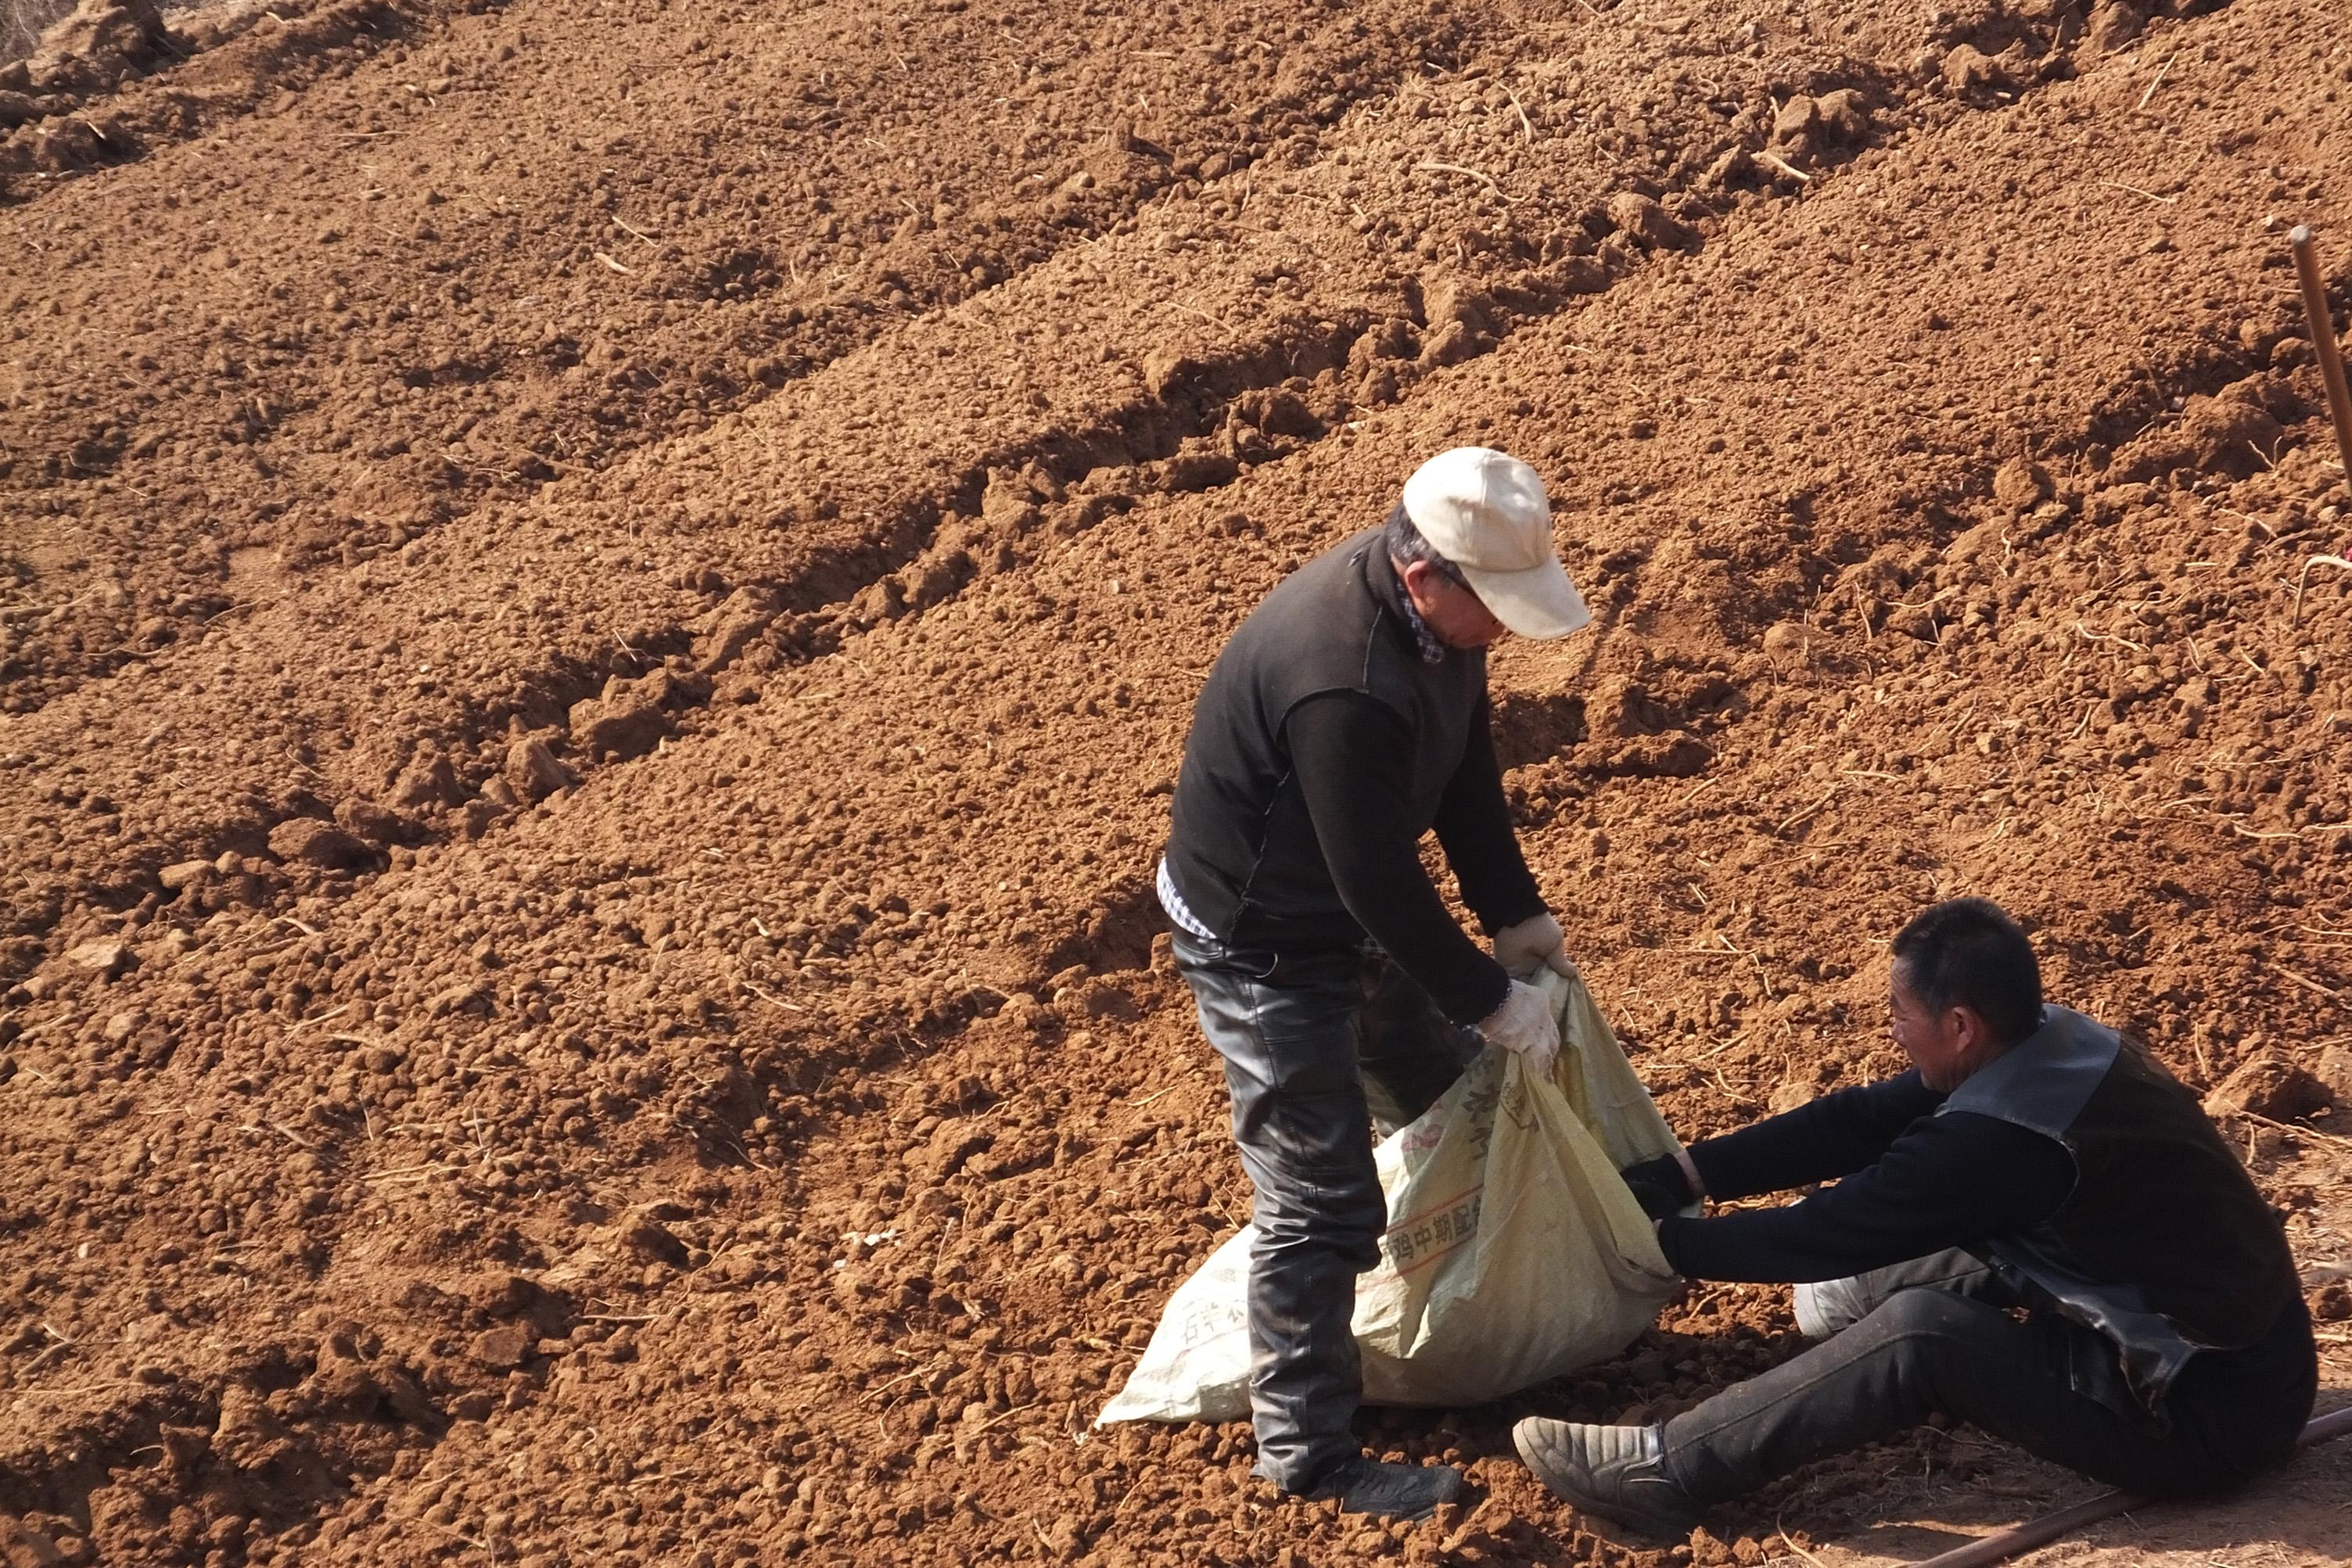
[(1485, 513)]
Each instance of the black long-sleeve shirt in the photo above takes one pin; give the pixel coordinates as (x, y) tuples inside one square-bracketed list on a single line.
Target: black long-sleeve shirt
[(1908, 1183), (1364, 821), (1326, 742)]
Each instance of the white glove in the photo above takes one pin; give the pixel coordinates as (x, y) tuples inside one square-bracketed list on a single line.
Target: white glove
[(1533, 943), (1524, 1023)]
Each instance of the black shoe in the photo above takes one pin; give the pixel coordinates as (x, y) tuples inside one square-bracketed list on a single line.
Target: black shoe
[(1613, 1471), (1365, 1485)]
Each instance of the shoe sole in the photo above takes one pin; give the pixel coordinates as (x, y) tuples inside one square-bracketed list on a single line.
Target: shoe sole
[(1537, 1456), (1539, 1463)]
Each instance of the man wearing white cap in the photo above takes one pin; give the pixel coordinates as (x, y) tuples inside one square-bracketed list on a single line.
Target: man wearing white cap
[(1347, 717)]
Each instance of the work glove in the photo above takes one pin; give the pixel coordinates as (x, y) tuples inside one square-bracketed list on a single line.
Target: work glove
[(1524, 1023), (1661, 1186), (1533, 943)]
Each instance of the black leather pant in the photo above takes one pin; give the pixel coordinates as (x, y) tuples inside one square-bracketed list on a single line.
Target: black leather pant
[(1318, 1047), (1940, 1335)]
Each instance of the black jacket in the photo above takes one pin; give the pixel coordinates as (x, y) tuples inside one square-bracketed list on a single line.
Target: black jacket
[(2074, 1165), (1323, 746)]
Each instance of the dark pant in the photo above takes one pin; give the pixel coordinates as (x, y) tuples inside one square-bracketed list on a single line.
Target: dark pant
[(1316, 1048), (1940, 1335)]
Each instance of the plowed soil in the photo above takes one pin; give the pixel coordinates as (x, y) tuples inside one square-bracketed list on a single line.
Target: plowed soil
[(598, 607)]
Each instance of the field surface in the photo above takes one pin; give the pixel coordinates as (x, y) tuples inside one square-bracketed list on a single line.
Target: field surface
[(599, 603)]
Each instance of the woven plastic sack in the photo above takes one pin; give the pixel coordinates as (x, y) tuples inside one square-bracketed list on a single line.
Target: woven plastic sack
[(1514, 1252)]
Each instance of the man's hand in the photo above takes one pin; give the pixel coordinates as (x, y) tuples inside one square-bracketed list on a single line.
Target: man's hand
[(1665, 1185), (1524, 1024), (1533, 943)]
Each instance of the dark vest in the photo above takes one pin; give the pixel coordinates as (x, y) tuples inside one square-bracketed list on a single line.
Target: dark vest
[(2164, 1246), (1241, 847)]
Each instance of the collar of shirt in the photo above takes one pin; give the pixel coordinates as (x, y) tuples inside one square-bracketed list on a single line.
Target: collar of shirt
[(1432, 652)]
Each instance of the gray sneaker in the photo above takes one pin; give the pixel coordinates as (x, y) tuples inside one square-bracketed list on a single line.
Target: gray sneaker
[(1366, 1485), (1612, 1471)]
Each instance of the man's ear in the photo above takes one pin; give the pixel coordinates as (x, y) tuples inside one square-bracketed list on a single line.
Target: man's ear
[(1975, 1033)]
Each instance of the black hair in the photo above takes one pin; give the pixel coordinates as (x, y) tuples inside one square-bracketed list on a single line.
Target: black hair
[(1407, 544), (1968, 953)]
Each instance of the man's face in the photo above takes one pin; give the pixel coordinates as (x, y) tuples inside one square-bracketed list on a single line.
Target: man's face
[(1945, 1044), (1457, 616)]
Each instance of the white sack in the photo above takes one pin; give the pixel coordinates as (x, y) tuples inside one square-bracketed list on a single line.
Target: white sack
[(1514, 1252)]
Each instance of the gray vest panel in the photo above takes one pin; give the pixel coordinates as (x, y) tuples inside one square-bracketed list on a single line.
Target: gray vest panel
[(2042, 1083)]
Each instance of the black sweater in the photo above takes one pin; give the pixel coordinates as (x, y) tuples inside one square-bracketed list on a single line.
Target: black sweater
[(1322, 749), (1910, 1183)]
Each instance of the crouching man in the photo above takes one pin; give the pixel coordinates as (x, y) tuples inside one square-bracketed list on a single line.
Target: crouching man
[(2031, 1159)]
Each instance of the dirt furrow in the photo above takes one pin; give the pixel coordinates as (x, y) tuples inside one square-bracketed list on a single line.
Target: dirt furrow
[(1377, 298), (773, 1145), (916, 1493), (395, 304)]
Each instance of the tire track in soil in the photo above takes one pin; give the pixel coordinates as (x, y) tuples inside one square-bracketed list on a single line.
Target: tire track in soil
[(504, 301), (772, 1422)]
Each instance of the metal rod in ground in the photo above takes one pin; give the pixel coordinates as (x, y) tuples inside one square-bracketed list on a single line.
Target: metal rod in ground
[(2323, 342), (2049, 1527)]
